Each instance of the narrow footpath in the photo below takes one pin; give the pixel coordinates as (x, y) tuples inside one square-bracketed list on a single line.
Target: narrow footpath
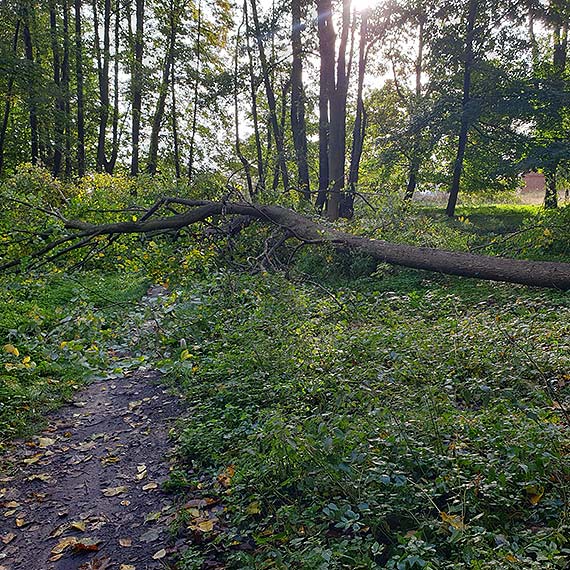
[(87, 492)]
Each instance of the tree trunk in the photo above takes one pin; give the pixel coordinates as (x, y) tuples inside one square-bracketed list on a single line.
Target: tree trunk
[(65, 79), (103, 60), (535, 273), (260, 184), (79, 80), (59, 100), (115, 119), (359, 129), (32, 104), (271, 103), (244, 162), (415, 159), (298, 125), (327, 39), (196, 92), (174, 119), (7, 104), (465, 118), (161, 102), (137, 86)]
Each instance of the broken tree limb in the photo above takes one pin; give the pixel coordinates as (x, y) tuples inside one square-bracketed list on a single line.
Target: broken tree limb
[(534, 273)]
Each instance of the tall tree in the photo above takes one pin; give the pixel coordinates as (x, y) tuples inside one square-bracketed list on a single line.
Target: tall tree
[(31, 83), (137, 85), (79, 84), (465, 113), (298, 123)]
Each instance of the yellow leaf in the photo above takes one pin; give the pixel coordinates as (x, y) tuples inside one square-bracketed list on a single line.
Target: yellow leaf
[(253, 508), (12, 504), (206, 526), (78, 525), (20, 523), (45, 442), (454, 521), (63, 544), (150, 486), (26, 359), (114, 491), (535, 493), (11, 349), (158, 555), (127, 567), (185, 354)]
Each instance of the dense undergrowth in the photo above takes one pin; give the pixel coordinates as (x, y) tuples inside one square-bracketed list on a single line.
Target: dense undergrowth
[(343, 414)]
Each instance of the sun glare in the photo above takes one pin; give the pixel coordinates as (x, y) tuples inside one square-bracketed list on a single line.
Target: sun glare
[(362, 5)]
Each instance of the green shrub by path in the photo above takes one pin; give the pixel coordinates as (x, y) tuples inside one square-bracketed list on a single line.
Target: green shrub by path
[(409, 429), (57, 331)]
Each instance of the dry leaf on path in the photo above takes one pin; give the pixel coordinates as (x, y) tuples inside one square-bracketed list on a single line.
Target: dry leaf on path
[(127, 567), (158, 555), (44, 442), (113, 491), (150, 486), (8, 537), (125, 542)]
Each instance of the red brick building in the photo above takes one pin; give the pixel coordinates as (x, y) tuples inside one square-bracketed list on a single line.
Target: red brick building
[(533, 181)]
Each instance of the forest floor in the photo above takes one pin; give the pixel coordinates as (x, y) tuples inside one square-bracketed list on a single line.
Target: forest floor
[(86, 492)]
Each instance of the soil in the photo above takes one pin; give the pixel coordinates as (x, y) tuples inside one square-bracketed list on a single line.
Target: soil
[(87, 492)]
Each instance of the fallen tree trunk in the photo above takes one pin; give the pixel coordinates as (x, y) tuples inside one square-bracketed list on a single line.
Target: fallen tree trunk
[(534, 273)]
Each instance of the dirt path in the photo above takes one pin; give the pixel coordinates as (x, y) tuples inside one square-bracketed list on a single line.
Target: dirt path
[(86, 493)]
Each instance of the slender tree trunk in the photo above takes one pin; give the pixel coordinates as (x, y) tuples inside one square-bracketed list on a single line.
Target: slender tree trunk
[(282, 121), (65, 80), (196, 93), (327, 39), (137, 86), (7, 104), (465, 119), (32, 104), (359, 129), (115, 119), (59, 100), (161, 102), (245, 163), (415, 160), (298, 125), (174, 119), (79, 80), (260, 184), (103, 59), (337, 129), (271, 103)]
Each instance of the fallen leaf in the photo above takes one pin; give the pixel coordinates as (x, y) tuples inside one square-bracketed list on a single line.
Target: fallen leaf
[(225, 477), (253, 508), (206, 526), (158, 555), (41, 477), (20, 522), (60, 547), (87, 545), (125, 542), (454, 521), (8, 537), (78, 525), (96, 564), (11, 349), (150, 486), (34, 459), (125, 503), (150, 536), (11, 505), (127, 567), (113, 491)]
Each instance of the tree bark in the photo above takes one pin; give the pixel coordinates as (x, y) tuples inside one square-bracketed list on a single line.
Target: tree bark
[(359, 129), (8, 102), (465, 118), (137, 85), (32, 104), (115, 118), (271, 102), (196, 93), (298, 125), (65, 80), (79, 80), (162, 94), (59, 100), (534, 273)]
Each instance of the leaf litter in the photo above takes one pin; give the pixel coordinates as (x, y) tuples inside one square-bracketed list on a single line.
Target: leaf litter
[(87, 493)]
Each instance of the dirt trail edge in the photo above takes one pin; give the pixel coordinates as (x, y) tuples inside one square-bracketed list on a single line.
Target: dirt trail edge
[(86, 493)]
